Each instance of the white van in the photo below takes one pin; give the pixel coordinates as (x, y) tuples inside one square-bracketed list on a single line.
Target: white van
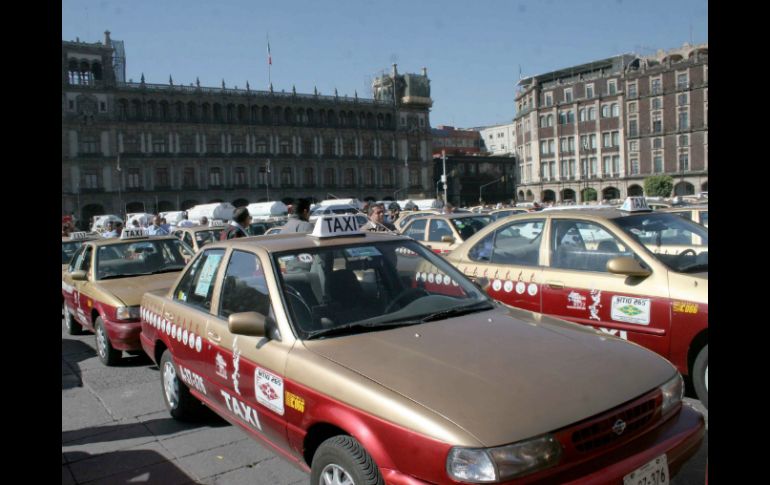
[(216, 210), (267, 210), (101, 221)]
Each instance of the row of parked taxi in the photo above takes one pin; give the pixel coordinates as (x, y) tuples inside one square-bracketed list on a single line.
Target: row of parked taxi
[(369, 358)]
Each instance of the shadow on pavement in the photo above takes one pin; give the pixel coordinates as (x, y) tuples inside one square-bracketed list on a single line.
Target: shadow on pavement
[(72, 352), (123, 467), (150, 428)]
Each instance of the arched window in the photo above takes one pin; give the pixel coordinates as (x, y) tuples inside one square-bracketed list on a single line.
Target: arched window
[(217, 113), (164, 111), (152, 110), (615, 110), (178, 111), (205, 112), (254, 118), (288, 117), (231, 113), (192, 112), (136, 110)]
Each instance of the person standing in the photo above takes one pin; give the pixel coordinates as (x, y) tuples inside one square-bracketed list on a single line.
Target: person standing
[(156, 229), (185, 222), (377, 221), (298, 221), (239, 226)]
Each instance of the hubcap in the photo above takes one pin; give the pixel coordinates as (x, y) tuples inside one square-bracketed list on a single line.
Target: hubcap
[(170, 385), (101, 341), (335, 475)]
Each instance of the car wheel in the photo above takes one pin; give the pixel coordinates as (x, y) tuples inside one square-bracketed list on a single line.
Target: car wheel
[(342, 460), (700, 376), (108, 355), (73, 327), (181, 404)]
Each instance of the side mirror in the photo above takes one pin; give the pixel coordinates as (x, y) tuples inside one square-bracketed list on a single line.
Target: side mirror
[(79, 275), (447, 239), (252, 324), (627, 266)]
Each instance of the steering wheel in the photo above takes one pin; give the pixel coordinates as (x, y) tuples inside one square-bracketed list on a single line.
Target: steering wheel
[(686, 251), (292, 292), (417, 292)]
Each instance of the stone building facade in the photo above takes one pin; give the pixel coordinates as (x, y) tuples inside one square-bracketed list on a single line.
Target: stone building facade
[(597, 130), (133, 147)]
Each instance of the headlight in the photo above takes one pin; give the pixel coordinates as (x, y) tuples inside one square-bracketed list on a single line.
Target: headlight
[(673, 392), (127, 312), (485, 465)]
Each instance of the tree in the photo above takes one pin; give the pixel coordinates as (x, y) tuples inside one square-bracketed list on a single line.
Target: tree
[(658, 186)]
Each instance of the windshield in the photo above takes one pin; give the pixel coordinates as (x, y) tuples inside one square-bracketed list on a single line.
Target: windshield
[(468, 226), (680, 244), (141, 257), (349, 289), (206, 237), (68, 249)]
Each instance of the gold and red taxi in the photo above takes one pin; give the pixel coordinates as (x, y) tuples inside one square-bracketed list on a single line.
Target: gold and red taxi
[(70, 245), (442, 233), (695, 213), (406, 216), (634, 273), (105, 281), (198, 236), (502, 213), (334, 350)]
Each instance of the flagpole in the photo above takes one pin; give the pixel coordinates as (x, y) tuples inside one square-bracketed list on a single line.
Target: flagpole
[(269, 63)]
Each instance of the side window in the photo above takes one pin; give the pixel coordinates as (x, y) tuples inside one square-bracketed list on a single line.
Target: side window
[(187, 238), (244, 288), (76, 259), (417, 229), (197, 285), (515, 243), (584, 246), (704, 218), (85, 262), (439, 228)]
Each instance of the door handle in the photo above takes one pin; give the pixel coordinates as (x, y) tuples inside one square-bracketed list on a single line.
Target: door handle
[(168, 316), (555, 285), (214, 336)]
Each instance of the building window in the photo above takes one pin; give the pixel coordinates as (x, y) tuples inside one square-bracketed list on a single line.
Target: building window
[(657, 143), (91, 179), (562, 118), (215, 177), (657, 103), (612, 87), (682, 81), (285, 148), (287, 177), (387, 177), (615, 110), (615, 138), (589, 90), (616, 166), (632, 93), (188, 144), (134, 178), (633, 128), (606, 111), (657, 164), (368, 175), (570, 117), (606, 140), (594, 166), (582, 114), (633, 146), (657, 123), (548, 99), (684, 140), (238, 147), (655, 86), (158, 145), (213, 144), (606, 161), (632, 107), (161, 177), (684, 119), (634, 166), (240, 176), (684, 162), (568, 95), (263, 176), (591, 114), (89, 144), (681, 99), (188, 177)]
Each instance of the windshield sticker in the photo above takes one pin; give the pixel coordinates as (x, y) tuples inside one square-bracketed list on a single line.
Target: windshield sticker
[(497, 285), (363, 252), (295, 402), (268, 388), (685, 307), (631, 310), (532, 289), (207, 274), (221, 366), (305, 258), (596, 298), (520, 287), (576, 301)]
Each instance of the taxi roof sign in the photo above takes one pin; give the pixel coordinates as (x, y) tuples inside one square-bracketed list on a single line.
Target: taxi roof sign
[(337, 226), (635, 204), (216, 223), (77, 236), (134, 233)]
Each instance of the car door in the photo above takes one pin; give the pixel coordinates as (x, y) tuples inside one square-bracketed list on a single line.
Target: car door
[(69, 286), (83, 303), (579, 288), (510, 258), (254, 366), (438, 229)]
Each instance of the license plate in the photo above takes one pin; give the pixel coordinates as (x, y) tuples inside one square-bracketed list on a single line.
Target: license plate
[(653, 473)]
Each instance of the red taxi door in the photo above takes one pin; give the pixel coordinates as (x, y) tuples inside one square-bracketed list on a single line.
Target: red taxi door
[(80, 300), (248, 369), (509, 258), (579, 288)]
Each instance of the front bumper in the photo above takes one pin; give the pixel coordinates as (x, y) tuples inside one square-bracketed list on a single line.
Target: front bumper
[(124, 335)]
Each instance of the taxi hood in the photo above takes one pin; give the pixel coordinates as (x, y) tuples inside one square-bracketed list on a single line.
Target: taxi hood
[(502, 375), (131, 289)]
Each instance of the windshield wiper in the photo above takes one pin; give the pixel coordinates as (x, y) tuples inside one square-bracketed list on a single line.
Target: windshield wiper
[(166, 270), (359, 328), (456, 312)]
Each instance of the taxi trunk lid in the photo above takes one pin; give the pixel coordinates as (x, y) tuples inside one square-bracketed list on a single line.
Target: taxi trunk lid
[(502, 375)]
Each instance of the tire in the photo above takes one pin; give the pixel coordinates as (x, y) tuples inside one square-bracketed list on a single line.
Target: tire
[(108, 355), (180, 403), (700, 376), (342, 460), (73, 327)]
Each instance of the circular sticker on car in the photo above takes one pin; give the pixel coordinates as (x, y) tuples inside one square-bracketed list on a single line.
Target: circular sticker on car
[(424, 277), (447, 280), (454, 283), (192, 340), (532, 289), (185, 337), (306, 258), (198, 344), (162, 326), (497, 285), (417, 276), (508, 286), (179, 334), (173, 331), (431, 277), (520, 287)]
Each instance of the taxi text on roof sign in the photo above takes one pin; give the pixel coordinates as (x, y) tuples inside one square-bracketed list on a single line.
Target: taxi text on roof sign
[(335, 226), (133, 233), (635, 204), (78, 235), (216, 223)]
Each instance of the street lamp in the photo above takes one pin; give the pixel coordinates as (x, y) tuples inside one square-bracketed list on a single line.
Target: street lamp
[(501, 179)]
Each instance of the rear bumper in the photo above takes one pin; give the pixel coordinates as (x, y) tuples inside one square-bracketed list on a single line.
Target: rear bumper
[(124, 335), (148, 346)]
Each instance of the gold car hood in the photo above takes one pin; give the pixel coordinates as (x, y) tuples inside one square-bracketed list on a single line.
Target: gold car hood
[(502, 375), (130, 290)]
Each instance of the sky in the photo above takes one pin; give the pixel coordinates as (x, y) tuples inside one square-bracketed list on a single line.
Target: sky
[(474, 51)]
